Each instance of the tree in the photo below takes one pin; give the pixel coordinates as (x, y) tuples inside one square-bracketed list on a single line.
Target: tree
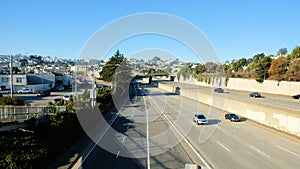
[(109, 68), (294, 70), (278, 68), (23, 62), (186, 72), (282, 51), (16, 70), (261, 68), (295, 54), (257, 57), (200, 69), (239, 64)]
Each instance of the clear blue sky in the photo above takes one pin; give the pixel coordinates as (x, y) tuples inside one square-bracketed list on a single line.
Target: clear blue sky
[(235, 28)]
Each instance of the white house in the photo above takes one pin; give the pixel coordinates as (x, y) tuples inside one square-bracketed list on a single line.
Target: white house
[(36, 82)]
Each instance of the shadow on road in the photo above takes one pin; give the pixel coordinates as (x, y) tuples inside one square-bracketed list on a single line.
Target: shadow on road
[(243, 119), (213, 121)]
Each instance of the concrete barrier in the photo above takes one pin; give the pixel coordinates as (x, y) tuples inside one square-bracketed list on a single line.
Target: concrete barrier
[(268, 86), (281, 119)]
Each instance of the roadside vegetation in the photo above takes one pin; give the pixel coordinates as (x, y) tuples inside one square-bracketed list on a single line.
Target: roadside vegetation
[(16, 101), (283, 66), (46, 138)]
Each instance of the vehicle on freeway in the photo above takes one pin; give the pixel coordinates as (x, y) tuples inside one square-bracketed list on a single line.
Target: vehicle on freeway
[(255, 94), (297, 96), (232, 117), (192, 166), (43, 93), (5, 91), (68, 97), (25, 91), (218, 90), (58, 99), (200, 119)]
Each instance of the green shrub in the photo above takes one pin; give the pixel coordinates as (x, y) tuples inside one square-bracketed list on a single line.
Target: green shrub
[(12, 101)]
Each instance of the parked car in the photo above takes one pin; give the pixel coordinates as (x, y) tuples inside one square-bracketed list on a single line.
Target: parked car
[(4, 91), (58, 99), (200, 119), (218, 90), (25, 91), (255, 94), (232, 117), (43, 93), (297, 96), (68, 97), (60, 88)]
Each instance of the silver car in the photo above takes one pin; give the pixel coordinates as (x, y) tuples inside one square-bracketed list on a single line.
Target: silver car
[(200, 119)]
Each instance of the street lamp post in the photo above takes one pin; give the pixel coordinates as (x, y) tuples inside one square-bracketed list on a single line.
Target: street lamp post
[(11, 77)]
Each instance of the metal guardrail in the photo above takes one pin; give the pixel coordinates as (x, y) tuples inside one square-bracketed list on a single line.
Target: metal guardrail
[(13, 113)]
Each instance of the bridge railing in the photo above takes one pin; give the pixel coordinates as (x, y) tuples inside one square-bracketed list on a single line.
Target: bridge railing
[(13, 113)]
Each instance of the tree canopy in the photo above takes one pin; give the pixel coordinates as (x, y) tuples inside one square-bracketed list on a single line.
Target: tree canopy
[(110, 67)]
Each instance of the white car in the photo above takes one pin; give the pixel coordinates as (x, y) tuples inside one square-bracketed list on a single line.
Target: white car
[(25, 91), (67, 97), (200, 119), (5, 91)]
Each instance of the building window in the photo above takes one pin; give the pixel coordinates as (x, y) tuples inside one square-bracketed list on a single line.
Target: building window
[(19, 80), (4, 79)]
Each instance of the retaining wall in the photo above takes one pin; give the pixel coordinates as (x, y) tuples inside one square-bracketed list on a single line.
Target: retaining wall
[(282, 119), (268, 86)]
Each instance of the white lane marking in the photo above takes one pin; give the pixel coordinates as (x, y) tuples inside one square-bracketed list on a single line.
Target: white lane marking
[(297, 155), (257, 150), (148, 149), (188, 143), (102, 135), (124, 138), (223, 146), (118, 154)]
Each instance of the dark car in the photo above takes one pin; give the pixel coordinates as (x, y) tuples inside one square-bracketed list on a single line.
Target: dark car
[(255, 94), (58, 99), (218, 90), (43, 93), (232, 117), (297, 96)]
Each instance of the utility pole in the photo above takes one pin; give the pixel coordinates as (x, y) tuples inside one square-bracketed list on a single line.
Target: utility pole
[(11, 77), (93, 88), (43, 79)]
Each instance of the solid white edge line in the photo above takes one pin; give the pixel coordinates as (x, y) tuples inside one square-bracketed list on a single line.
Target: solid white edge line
[(223, 146), (188, 143), (148, 149), (102, 135)]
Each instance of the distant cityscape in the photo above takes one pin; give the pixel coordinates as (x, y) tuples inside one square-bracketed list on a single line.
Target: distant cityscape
[(41, 73)]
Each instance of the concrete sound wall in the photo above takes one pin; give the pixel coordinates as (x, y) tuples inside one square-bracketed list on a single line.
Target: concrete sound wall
[(282, 119), (268, 86)]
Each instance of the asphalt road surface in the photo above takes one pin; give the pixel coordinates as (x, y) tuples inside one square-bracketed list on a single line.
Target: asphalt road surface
[(156, 130), (280, 101)]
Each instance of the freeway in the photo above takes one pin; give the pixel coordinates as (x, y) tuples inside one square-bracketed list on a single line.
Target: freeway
[(156, 130), (280, 101)]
